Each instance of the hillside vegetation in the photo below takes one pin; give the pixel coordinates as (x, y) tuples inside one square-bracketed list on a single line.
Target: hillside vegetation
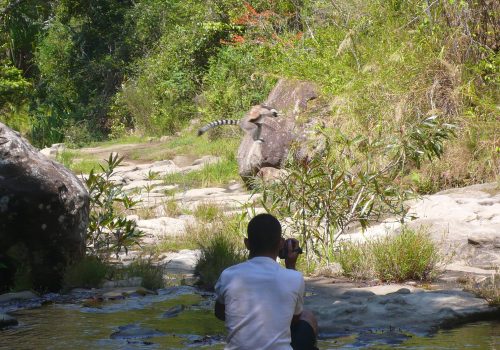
[(78, 71)]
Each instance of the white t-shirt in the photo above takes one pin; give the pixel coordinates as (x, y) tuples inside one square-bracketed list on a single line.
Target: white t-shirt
[(260, 299)]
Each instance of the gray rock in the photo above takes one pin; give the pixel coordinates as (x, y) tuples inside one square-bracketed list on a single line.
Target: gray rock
[(163, 226), (174, 311), (53, 151), (135, 331), (290, 98), (358, 310), (7, 321), (24, 295), (43, 213), (182, 262), (129, 282)]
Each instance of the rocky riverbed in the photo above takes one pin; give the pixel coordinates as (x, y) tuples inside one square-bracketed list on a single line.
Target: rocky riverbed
[(465, 220)]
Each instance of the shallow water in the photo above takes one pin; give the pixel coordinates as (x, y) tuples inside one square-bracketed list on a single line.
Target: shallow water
[(143, 327)]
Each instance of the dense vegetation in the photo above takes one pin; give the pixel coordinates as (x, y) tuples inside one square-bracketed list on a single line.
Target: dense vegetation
[(78, 71)]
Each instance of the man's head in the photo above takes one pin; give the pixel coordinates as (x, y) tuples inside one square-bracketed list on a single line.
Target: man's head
[(264, 235)]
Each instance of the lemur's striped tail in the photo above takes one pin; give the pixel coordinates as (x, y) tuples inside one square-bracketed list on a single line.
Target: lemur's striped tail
[(216, 123)]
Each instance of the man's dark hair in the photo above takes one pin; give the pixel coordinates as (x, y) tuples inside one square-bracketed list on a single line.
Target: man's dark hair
[(264, 233)]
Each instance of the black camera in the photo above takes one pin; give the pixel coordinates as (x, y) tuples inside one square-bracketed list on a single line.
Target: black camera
[(283, 253)]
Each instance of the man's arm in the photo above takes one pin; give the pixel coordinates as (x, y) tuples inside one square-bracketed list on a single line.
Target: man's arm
[(220, 311)]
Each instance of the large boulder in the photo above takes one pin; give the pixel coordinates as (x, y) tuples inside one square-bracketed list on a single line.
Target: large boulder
[(43, 215), (290, 98)]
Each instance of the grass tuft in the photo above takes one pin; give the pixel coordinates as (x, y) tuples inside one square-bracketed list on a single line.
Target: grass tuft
[(86, 273), (207, 212), (218, 253), (151, 274), (215, 174), (409, 255)]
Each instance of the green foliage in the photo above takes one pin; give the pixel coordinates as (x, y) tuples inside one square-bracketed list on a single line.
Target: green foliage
[(151, 273), (82, 60), (355, 259), (221, 245), (233, 84), (218, 253), (86, 273), (107, 68), (66, 158), (23, 279), (350, 181), (109, 231), (14, 87), (410, 255)]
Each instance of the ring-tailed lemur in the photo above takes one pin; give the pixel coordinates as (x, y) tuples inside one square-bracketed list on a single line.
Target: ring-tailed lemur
[(252, 122)]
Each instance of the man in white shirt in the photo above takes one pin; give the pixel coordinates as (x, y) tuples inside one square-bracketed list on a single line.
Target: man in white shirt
[(260, 301)]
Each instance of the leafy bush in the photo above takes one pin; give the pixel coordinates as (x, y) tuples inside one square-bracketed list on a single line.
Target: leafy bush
[(109, 231), (409, 255), (86, 273)]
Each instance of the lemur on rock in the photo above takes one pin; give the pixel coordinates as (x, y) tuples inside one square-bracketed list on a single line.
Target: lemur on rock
[(251, 122)]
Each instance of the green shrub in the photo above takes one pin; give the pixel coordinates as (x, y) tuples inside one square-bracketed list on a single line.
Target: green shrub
[(409, 255), (355, 259), (86, 273), (23, 279), (151, 274), (221, 245), (66, 158), (109, 231), (217, 253)]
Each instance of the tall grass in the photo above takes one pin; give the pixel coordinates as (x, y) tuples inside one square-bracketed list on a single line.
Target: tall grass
[(210, 175), (218, 253), (221, 246), (408, 255)]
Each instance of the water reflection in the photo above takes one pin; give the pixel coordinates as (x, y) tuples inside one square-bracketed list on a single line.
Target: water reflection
[(72, 327)]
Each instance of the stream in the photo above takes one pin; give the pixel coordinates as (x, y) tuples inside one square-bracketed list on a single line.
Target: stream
[(179, 319)]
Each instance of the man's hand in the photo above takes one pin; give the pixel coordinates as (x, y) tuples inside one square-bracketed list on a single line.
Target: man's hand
[(291, 258)]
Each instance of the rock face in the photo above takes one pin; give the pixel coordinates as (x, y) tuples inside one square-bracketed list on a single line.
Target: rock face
[(43, 215), (343, 310), (290, 98)]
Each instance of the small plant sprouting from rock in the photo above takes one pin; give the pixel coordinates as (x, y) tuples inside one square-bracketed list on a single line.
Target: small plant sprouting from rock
[(489, 289), (109, 231)]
